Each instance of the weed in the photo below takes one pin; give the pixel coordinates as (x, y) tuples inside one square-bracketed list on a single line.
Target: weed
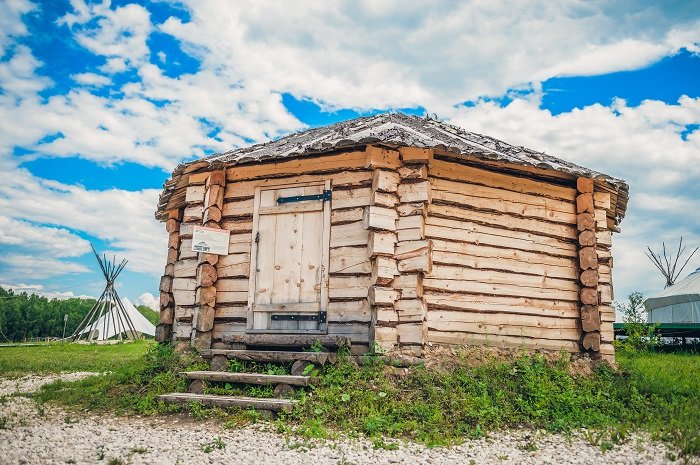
[(380, 443), (216, 444), (529, 446), (68, 420), (139, 450), (3, 423), (316, 347), (101, 453), (261, 391), (116, 461)]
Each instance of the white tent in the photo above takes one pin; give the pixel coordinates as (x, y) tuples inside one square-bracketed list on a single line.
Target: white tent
[(679, 303), (110, 323)]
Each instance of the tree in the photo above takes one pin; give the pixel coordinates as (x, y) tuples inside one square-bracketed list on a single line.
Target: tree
[(641, 336)]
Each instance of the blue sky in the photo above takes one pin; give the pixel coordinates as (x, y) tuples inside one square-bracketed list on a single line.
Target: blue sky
[(100, 101)]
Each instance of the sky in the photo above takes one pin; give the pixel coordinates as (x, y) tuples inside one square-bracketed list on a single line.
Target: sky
[(99, 102)]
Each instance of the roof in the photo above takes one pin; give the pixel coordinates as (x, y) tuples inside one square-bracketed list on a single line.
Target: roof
[(684, 291), (396, 129)]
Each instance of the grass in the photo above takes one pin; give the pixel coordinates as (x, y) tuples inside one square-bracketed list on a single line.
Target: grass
[(652, 392), (54, 358)]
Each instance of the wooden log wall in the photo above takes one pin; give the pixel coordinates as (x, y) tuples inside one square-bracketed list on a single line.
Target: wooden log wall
[(164, 329), (595, 264), (400, 253), (505, 260)]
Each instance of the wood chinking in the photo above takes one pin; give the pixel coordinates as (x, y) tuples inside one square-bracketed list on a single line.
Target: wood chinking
[(435, 236)]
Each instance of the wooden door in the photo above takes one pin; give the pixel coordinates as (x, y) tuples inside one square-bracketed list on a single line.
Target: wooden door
[(288, 289)]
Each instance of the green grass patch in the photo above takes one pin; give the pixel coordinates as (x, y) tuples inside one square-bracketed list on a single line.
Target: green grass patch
[(652, 392), (57, 357)]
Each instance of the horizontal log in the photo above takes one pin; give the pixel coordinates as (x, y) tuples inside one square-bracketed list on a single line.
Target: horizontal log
[(184, 297), (411, 155), (501, 277), (454, 171), (347, 215), (380, 157), (411, 310), (257, 403), (352, 287), (239, 207), (413, 172), (480, 339), (508, 290), (378, 295), (383, 270), (412, 234), (464, 231), (411, 333), (239, 243), (185, 268), (351, 310), (409, 284), (408, 249), (542, 333), (299, 165), (233, 265), (237, 226), (350, 260), (513, 320), (349, 234), (242, 189), (223, 329), (230, 312), (422, 263), (500, 304), (383, 199), (411, 209), (601, 200), (386, 337), (503, 220), (288, 340), (193, 213), (565, 268), (349, 198), (358, 333)]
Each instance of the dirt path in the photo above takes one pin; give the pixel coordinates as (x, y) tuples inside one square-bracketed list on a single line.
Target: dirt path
[(30, 435)]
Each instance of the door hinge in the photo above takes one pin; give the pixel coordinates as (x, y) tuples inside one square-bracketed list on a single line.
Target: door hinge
[(321, 317), (325, 196)]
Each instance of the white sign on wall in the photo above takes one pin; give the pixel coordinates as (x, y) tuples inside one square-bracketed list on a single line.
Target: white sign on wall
[(210, 240)]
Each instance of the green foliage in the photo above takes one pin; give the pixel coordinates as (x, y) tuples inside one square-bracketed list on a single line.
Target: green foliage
[(240, 366), (316, 347), (150, 314), (208, 447), (57, 357), (641, 337), (24, 316)]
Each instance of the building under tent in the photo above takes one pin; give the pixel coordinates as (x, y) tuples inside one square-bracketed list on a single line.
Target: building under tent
[(390, 231), (679, 303), (108, 325)]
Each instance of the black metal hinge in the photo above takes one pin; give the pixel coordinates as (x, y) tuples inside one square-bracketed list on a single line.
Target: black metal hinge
[(303, 198), (320, 317)]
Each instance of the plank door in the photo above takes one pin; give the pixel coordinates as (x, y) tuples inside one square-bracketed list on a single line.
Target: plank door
[(288, 288)]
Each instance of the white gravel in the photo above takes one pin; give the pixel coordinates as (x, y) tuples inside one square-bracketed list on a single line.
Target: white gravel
[(29, 435)]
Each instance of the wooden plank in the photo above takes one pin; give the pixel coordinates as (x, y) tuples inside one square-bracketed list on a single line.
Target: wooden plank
[(237, 226), (242, 207), (412, 234), (441, 228), (183, 297), (239, 243), (379, 295), (382, 199), (348, 287), (249, 378), (503, 220), (347, 215), (383, 270), (499, 289), (378, 157), (411, 333), (350, 260), (411, 310), (348, 234), (601, 200), (349, 198), (233, 265), (311, 251), (414, 172), (416, 154), (441, 319), (352, 310), (320, 358), (289, 340), (604, 238), (458, 172), (258, 403), (410, 285), (464, 338), (298, 165), (357, 332), (224, 311), (184, 284)]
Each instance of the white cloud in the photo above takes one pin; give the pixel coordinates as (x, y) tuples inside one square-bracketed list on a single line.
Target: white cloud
[(40, 240), (364, 55), (11, 24), (36, 267), (91, 79), (150, 301)]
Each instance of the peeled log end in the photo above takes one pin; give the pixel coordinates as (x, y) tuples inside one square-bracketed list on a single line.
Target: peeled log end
[(590, 318), (591, 341)]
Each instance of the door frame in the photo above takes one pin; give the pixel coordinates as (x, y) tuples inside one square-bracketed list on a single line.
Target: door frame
[(325, 258)]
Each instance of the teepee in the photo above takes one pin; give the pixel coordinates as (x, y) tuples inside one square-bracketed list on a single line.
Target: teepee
[(110, 317)]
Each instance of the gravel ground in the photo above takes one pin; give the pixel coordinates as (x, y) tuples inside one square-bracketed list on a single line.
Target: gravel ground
[(29, 436)]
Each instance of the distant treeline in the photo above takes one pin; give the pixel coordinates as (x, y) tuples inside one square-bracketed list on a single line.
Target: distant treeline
[(27, 316)]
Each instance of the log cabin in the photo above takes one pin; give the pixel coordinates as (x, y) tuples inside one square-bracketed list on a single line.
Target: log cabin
[(395, 232)]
